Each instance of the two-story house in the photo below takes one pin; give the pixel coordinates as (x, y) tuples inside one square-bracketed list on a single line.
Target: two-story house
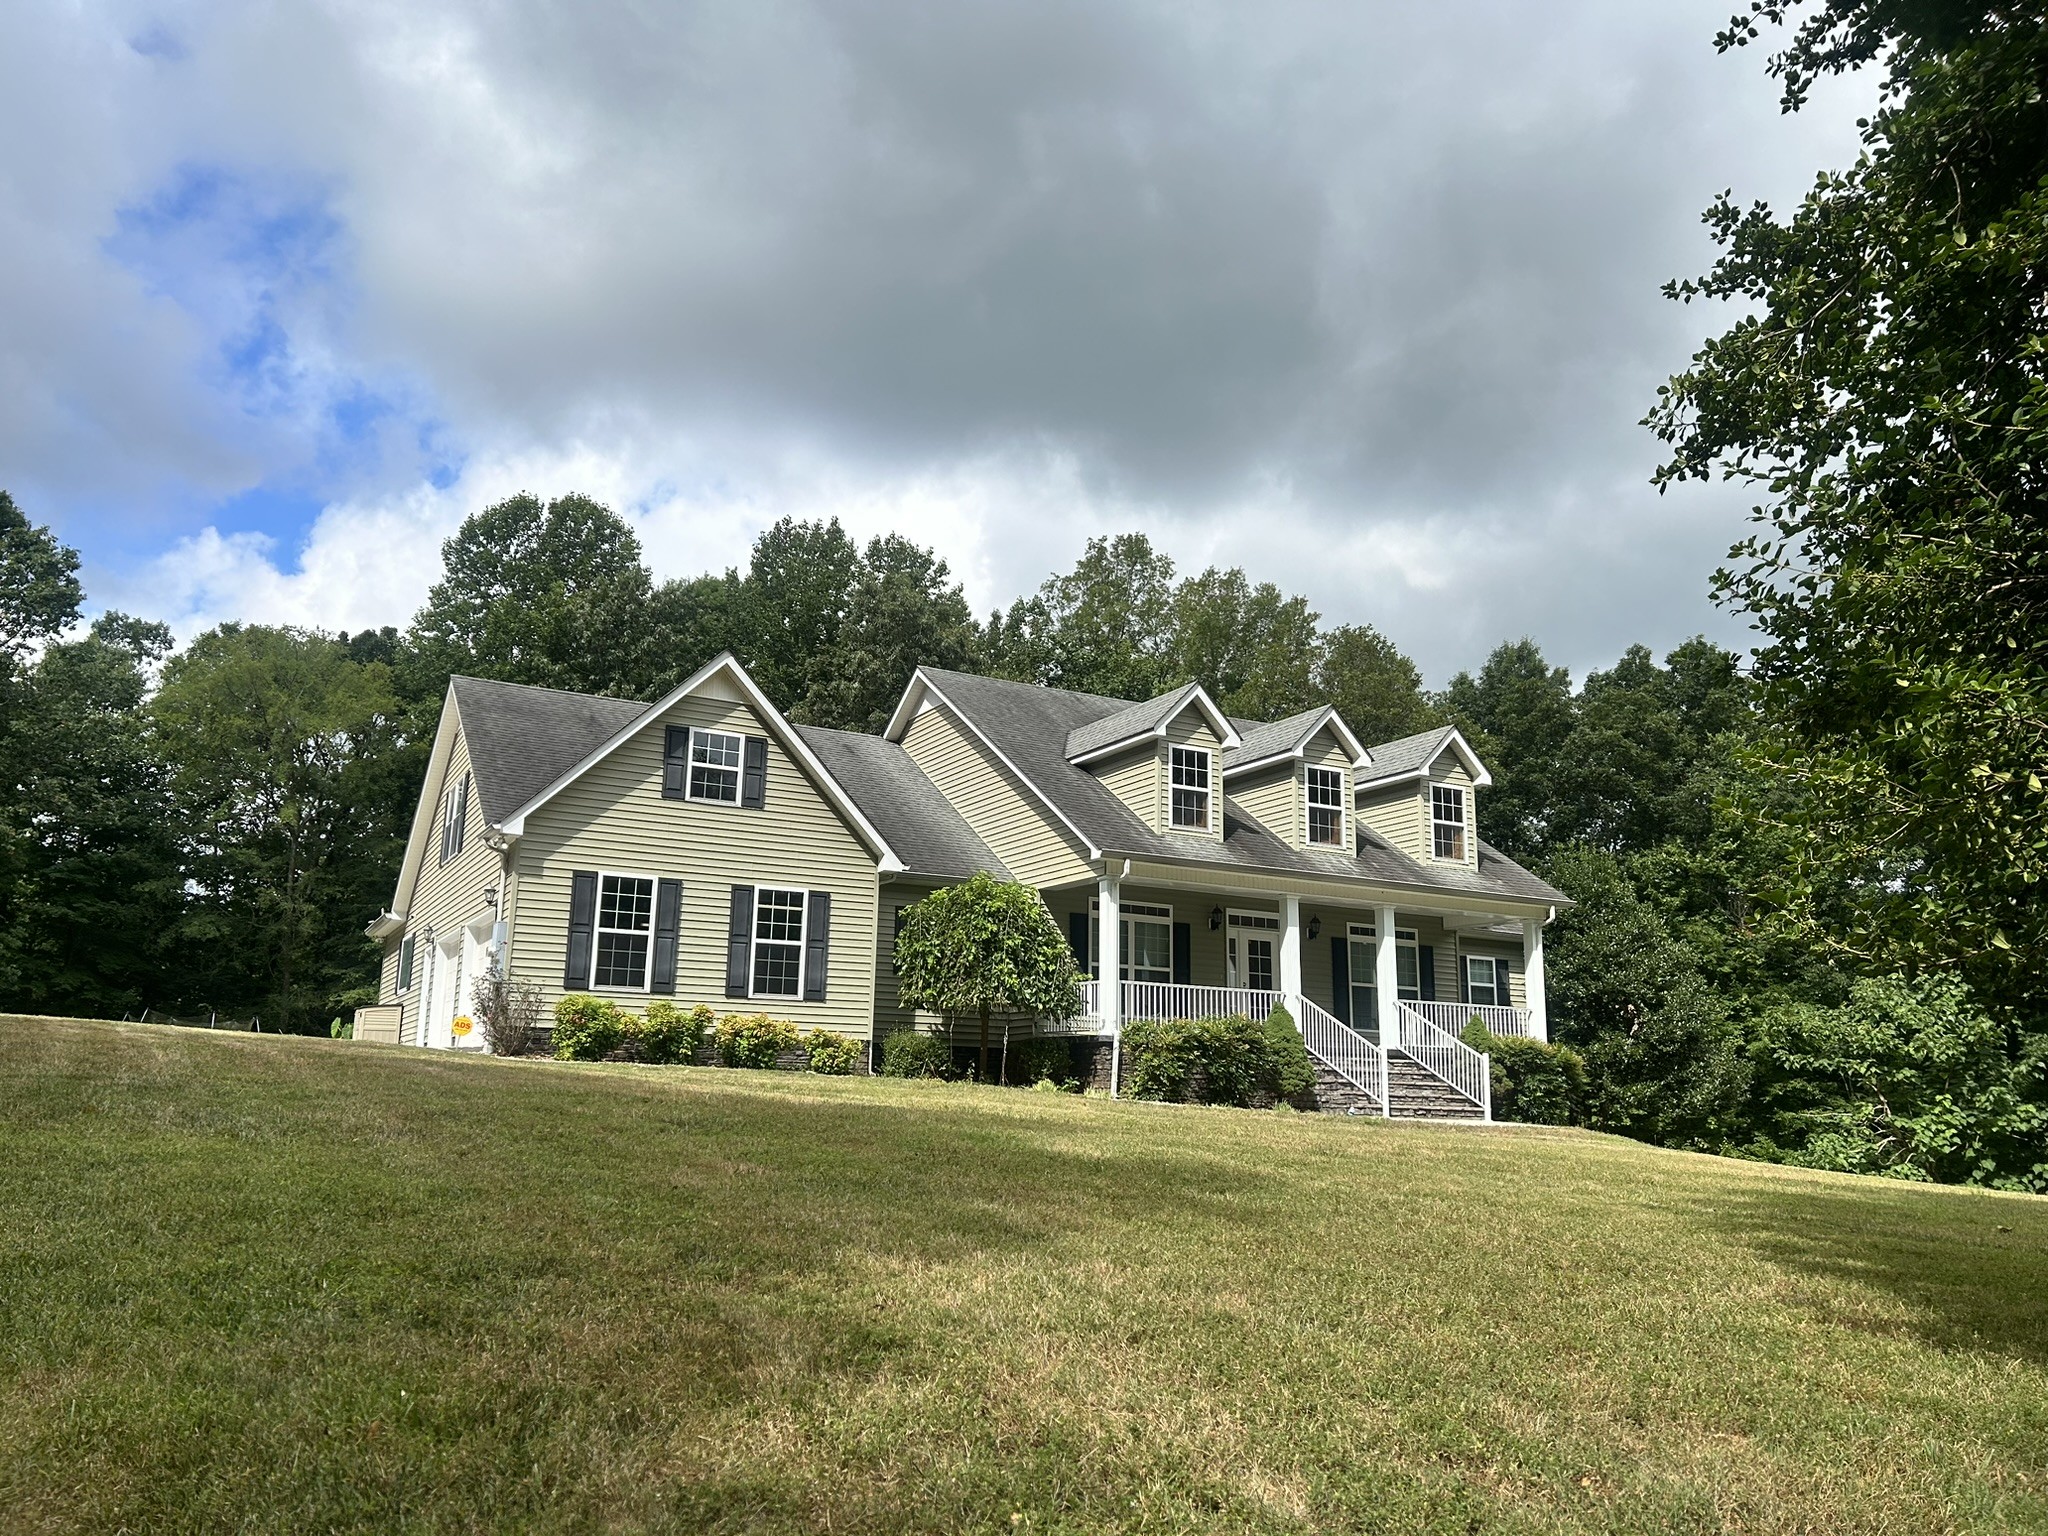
[(706, 849)]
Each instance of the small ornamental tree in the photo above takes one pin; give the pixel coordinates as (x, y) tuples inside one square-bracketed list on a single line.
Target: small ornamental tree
[(985, 947)]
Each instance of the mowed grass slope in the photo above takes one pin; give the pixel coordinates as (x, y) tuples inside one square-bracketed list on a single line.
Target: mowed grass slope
[(259, 1284)]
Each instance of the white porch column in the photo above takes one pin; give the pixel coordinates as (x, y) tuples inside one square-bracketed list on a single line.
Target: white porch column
[(1532, 976), (1108, 967), (1386, 975), (1290, 951)]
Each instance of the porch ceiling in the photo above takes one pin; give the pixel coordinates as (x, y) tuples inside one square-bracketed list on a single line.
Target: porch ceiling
[(1455, 911)]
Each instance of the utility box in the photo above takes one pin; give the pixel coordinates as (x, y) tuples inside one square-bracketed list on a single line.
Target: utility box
[(378, 1024)]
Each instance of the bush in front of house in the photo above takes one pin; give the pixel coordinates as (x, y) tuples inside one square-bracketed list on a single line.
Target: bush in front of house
[(1534, 1083), (587, 1028), (754, 1039), (1291, 1070), (1036, 1062), (832, 1054), (1202, 1061), (669, 1035), (910, 1054)]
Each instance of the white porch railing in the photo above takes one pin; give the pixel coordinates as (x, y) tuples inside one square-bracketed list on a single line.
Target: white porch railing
[(1167, 1000), (1444, 1055), (1453, 1017), (1343, 1050)]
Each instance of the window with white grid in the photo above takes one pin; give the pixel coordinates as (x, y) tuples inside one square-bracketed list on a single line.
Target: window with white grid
[(1326, 807), (1190, 770)]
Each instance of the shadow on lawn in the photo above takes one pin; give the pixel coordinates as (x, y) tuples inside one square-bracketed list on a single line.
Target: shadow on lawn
[(1970, 1273)]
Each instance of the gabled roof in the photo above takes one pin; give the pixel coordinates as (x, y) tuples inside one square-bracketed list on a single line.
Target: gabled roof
[(521, 739), (928, 834), (1146, 721), (1410, 758), (1277, 739), (1027, 728)]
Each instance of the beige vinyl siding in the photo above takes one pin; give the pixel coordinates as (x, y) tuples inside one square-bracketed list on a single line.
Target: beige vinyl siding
[(1518, 994), (614, 820), (1272, 797), (1396, 814), (890, 1014), (1448, 770), (1009, 818), (1206, 958), (1138, 778), (1190, 729), (1318, 976), (445, 897)]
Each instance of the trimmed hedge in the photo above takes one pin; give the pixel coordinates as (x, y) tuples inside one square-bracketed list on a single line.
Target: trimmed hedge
[(1228, 1060), (597, 1029), (1534, 1083), (833, 1055), (910, 1054), (587, 1028), (754, 1039)]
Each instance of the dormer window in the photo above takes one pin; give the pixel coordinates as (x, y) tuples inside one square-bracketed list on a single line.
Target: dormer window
[(1447, 821), (1326, 807), (1190, 769)]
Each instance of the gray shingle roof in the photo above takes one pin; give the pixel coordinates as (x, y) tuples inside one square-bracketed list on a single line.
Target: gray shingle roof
[(1132, 720), (1408, 755), (521, 739), (914, 818), (1030, 726), (1275, 736)]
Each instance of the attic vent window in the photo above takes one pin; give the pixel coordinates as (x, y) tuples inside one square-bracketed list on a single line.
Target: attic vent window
[(1447, 821), (715, 766), (1190, 769), (1326, 807)]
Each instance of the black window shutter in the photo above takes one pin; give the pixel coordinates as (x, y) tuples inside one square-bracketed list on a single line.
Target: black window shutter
[(668, 911), (1500, 983), (895, 933), (1340, 976), (817, 945), (1183, 957), (739, 938), (1077, 939), (1426, 964), (462, 814), (582, 918), (754, 774), (675, 762), (405, 952), (1465, 978)]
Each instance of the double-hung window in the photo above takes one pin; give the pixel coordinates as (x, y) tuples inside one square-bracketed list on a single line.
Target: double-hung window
[(1189, 767), (1486, 982), (1144, 941), (454, 819), (1447, 821), (625, 927), (1326, 807), (715, 766), (778, 959), (1365, 992)]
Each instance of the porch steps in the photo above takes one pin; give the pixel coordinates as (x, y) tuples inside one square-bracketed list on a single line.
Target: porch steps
[(1336, 1094), (1419, 1094)]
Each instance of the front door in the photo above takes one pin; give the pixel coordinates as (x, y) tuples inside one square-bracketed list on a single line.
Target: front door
[(1253, 941)]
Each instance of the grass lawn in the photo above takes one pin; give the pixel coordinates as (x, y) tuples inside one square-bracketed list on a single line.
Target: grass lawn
[(262, 1284)]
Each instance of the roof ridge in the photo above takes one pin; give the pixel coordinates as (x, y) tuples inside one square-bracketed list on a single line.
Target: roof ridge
[(560, 693)]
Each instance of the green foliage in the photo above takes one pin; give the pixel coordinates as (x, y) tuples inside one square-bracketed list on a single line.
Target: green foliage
[(1253, 648), (1908, 1079), (835, 1055), (1882, 392), (754, 1039), (903, 610), (983, 947), (587, 1028), (1290, 1068), (1374, 687), (1533, 1082), (906, 1053), (668, 1034), (1227, 1060), (1033, 1062)]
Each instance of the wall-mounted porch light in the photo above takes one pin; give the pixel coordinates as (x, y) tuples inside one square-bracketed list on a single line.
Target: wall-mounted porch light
[(1215, 918), (1315, 926)]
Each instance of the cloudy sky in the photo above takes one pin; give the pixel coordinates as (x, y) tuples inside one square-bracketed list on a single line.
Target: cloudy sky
[(1362, 298)]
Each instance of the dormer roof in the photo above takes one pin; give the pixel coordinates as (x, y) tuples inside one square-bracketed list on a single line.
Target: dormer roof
[(1410, 757), (1146, 722), (1276, 740)]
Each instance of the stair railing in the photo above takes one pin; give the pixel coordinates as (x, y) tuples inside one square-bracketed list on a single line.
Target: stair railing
[(1342, 1049), (1444, 1055)]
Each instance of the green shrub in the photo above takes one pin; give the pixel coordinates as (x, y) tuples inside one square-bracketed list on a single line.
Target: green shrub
[(910, 1054), (834, 1055), (587, 1028), (1292, 1069), (1534, 1083), (754, 1039), (667, 1034), (1216, 1061), (1043, 1061)]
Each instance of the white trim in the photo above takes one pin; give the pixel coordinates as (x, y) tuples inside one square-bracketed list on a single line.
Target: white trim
[(738, 769), (1212, 782), (1455, 742), (597, 928), (1466, 853), (724, 663), (1343, 807), (1497, 985), (425, 811), (803, 941), (1266, 926), (1326, 716), (1126, 912), (906, 711), (1198, 698)]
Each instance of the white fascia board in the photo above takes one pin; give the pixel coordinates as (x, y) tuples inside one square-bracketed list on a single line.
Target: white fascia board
[(1226, 733), (724, 662), (932, 690), (1481, 779), (907, 707), (384, 925), (1346, 738), (430, 795)]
